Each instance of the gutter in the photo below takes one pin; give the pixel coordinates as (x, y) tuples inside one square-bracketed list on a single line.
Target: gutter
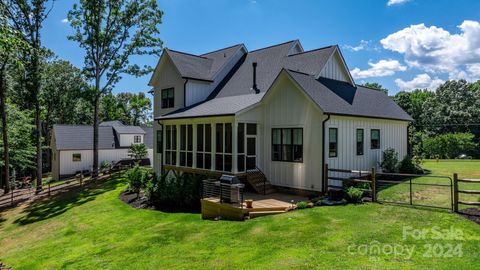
[(184, 93), (325, 185)]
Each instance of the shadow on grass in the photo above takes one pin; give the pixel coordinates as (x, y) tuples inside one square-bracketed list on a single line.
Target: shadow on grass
[(49, 207)]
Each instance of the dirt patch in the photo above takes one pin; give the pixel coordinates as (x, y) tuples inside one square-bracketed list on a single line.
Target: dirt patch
[(4, 267), (141, 202), (471, 213)]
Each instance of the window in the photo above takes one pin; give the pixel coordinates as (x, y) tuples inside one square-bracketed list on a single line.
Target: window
[(168, 98), (241, 147), (375, 139), (159, 142), (332, 142), (186, 145), (204, 146), (77, 157), (137, 139), (223, 156), (287, 144), (170, 145), (360, 139)]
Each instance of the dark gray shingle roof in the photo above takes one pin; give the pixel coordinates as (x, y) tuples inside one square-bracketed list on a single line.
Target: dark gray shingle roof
[(73, 137), (129, 130), (148, 137), (337, 97)]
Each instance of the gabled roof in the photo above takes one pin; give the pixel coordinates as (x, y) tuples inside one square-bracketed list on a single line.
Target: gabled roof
[(79, 137), (341, 98)]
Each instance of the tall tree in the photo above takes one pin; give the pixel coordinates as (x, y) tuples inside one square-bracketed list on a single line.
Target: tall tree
[(111, 32), (10, 46), (376, 86), (27, 16)]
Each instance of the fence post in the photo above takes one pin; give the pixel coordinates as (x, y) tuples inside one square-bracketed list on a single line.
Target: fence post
[(411, 195), (11, 196), (374, 185), (455, 192), (325, 178)]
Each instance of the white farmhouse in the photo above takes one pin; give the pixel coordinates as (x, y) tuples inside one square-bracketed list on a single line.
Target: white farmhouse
[(279, 110), (72, 146)]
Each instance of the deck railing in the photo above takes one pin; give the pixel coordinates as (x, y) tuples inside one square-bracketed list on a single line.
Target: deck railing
[(213, 189)]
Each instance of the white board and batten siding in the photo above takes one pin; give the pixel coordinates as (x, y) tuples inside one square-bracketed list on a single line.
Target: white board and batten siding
[(288, 107), (126, 140), (393, 134), (335, 69), (70, 167)]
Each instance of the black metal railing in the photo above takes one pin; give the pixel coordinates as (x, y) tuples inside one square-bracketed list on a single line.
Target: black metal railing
[(213, 189)]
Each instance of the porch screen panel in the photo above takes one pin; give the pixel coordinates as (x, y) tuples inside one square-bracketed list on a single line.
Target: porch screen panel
[(204, 146), (223, 155), (170, 145), (186, 145)]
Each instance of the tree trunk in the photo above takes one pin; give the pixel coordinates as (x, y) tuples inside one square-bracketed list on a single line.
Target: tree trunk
[(95, 137), (38, 123), (6, 156)]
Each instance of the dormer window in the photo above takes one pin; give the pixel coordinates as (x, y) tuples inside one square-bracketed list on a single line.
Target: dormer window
[(137, 139), (168, 98)]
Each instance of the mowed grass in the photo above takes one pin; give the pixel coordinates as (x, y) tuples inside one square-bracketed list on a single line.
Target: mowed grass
[(93, 229), (437, 195)]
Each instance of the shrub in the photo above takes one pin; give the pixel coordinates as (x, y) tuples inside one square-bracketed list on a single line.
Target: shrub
[(138, 151), (302, 205), (177, 191), (105, 165), (407, 165), (354, 194), (389, 160), (137, 179)]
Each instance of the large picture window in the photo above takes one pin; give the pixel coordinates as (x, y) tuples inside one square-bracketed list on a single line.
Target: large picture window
[(360, 140), (332, 142), (287, 144), (375, 139), (170, 145), (223, 156), (186, 145), (168, 98), (204, 146)]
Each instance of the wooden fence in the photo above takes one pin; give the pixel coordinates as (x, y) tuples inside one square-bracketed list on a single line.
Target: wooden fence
[(356, 177), (457, 191)]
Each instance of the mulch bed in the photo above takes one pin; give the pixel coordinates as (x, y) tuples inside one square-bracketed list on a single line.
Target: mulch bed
[(142, 203), (472, 214)]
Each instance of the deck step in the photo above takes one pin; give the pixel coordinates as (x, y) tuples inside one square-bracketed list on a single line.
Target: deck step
[(264, 213), (259, 182)]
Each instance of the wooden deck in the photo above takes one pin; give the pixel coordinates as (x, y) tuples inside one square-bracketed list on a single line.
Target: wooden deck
[(275, 203)]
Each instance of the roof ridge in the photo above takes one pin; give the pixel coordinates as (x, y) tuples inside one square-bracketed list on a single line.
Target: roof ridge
[(239, 44), (274, 45), (190, 54), (313, 50), (299, 72)]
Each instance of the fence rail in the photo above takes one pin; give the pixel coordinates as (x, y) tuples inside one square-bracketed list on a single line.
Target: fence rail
[(458, 191)]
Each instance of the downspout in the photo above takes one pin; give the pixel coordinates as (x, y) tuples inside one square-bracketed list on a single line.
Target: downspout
[(185, 93), (324, 185)]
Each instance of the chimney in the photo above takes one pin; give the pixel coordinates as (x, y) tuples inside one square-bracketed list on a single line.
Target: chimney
[(254, 65)]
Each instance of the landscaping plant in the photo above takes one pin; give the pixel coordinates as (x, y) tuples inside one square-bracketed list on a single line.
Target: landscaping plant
[(137, 178), (389, 160), (302, 205), (354, 194)]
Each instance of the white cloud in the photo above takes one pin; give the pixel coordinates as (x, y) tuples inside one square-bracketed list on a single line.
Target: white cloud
[(421, 81), (65, 20), (363, 45), (380, 69), (396, 2), (435, 50)]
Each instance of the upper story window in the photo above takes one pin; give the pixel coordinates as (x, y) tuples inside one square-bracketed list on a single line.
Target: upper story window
[(360, 139), (332, 142), (375, 139), (168, 98), (137, 139), (287, 144)]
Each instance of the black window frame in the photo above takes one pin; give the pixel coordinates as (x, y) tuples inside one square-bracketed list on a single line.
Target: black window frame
[(135, 137), (335, 154), (159, 141), (78, 159), (283, 146), (360, 145), (169, 100), (378, 144)]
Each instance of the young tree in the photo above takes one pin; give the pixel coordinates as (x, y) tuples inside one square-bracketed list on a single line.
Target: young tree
[(10, 46), (111, 32), (27, 17), (138, 151)]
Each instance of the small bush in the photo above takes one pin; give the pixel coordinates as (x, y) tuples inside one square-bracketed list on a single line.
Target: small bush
[(302, 205), (354, 194), (407, 165), (105, 165), (389, 160), (137, 179)]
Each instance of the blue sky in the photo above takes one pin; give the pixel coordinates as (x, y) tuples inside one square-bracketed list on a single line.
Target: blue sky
[(400, 44)]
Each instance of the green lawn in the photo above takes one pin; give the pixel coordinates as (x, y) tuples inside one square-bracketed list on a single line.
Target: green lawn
[(437, 195), (93, 229)]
